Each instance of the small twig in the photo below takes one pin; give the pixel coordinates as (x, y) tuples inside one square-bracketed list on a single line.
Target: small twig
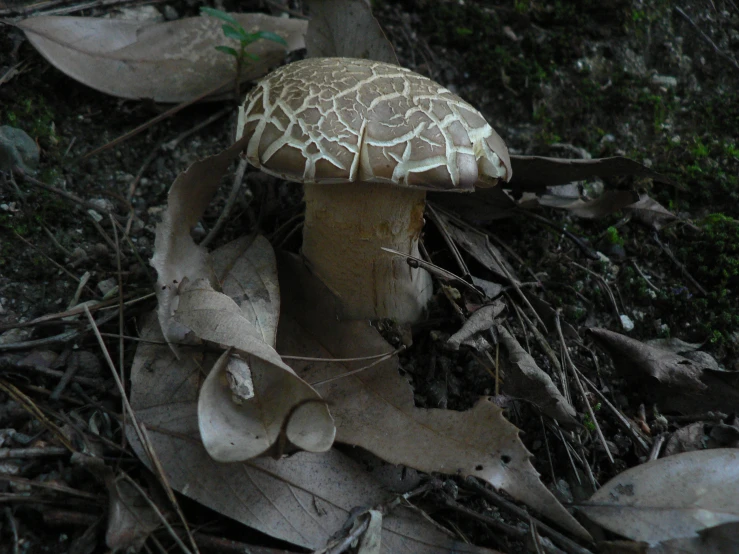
[(162, 116), (649, 283), (449, 242), (573, 370), (63, 193), (578, 242), (33, 452), (433, 269), (705, 37), (232, 196), (625, 423), (140, 430), (682, 268), (364, 368), (497, 500), (16, 394), (607, 288), (13, 528), (37, 249)]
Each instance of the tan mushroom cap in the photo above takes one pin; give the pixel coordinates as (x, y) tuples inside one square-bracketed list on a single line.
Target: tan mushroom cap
[(343, 120)]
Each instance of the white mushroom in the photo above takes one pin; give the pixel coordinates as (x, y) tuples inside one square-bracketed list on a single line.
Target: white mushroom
[(368, 139)]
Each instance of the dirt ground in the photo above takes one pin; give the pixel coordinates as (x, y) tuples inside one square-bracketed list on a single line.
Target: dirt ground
[(651, 80)]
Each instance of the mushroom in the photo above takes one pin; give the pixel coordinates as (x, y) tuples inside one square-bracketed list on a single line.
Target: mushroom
[(368, 139)]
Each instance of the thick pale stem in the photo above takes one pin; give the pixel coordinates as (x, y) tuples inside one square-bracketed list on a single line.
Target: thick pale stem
[(346, 225)]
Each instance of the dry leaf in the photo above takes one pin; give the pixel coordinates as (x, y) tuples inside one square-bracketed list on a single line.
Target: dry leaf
[(526, 380), (722, 539), (636, 359), (484, 205), (650, 212), (303, 499), (606, 204), (478, 245), (482, 320), (346, 29), (131, 519), (176, 256), (536, 173), (374, 408), (173, 61), (670, 498), (282, 414)]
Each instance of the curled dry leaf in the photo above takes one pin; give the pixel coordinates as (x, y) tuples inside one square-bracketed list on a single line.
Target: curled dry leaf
[(173, 61), (282, 415), (670, 498), (526, 380), (482, 320), (374, 408), (346, 29), (304, 499), (636, 359)]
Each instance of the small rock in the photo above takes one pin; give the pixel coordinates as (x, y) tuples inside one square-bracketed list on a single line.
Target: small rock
[(170, 14), (666, 81), (17, 148)]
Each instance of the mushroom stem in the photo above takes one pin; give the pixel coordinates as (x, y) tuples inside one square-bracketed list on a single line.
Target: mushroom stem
[(346, 225)]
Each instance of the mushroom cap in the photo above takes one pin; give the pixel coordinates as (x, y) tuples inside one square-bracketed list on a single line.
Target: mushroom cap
[(343, 120)]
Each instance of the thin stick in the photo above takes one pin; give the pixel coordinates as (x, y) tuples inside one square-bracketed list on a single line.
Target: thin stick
[(139, 429), (705, 37), (573, 370), (235, 188), (162, 116), (354, 371)]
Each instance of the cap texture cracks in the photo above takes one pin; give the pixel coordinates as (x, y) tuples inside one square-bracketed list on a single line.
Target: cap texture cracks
[(339, 120)]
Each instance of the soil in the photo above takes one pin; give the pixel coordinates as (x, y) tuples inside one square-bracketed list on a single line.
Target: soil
[(643, 79)]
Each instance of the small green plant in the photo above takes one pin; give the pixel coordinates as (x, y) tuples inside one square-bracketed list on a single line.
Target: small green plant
[(613, 237), (232, 29)]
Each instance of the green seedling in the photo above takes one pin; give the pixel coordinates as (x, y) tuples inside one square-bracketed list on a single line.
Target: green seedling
[(232, 29)]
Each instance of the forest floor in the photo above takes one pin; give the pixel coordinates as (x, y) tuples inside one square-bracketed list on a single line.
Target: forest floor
[(651, 80)]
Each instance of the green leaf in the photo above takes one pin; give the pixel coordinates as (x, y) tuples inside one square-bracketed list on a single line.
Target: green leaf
[(220, 14), (268, 35), (235, 33), (251, 56), (228, 50)]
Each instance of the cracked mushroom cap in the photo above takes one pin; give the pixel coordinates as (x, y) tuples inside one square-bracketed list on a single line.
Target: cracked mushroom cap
[(343, 120)]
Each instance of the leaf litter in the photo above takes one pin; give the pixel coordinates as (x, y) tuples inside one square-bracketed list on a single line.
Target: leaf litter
[(670, 498), (174, 61)]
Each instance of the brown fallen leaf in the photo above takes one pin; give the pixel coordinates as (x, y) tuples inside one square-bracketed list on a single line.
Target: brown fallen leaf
[(651, 213), (607, 203), (670, 498), (636, 359), (482, 320), (276, 413), (721, 539), (536, 173), (374, 408), (526, 380), (478, 245), (176, 256), (173, 61), (131, 519), (303, 499), (346, 29)]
